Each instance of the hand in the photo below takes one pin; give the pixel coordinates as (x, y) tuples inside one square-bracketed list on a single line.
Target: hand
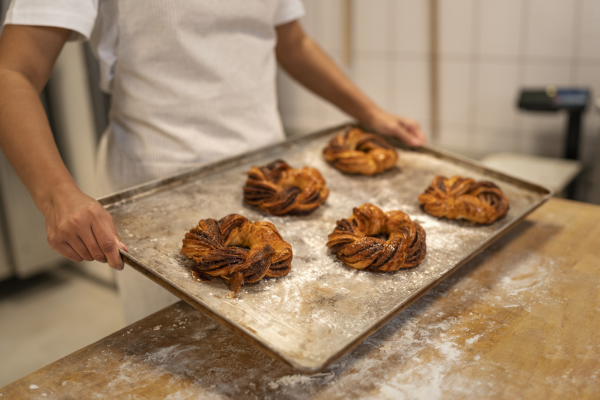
[(79, 228), (405, 129)]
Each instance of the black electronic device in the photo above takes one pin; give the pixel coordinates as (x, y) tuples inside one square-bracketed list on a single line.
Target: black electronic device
[(553, 99)]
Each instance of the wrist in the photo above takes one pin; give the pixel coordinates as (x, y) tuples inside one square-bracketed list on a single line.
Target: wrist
[(50, 197), (370, 116)]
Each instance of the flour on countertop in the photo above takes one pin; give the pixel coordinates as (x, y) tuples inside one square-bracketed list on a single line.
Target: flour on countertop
[(193, 370), (292, 380), (473, 339)]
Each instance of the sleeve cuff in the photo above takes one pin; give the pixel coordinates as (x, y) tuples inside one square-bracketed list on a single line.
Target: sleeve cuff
[(288, 11), (81, 26)]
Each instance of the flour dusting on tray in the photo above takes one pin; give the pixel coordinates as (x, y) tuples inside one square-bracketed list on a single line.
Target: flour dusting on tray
[(322, 306)]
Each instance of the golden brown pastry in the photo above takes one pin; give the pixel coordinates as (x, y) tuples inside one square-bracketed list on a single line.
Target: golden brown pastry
[(482, 202), (279, 189), (353, 241), (357, 152), (237, 250)]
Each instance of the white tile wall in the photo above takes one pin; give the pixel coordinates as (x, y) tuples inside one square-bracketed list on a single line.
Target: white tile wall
[(590, 30), (455, 91), (456, 26), (540, 73), (495, 95), (408, 23), (550, 28), (410, 96), (488, 51), (493, 139), (500, 28), (454, 135), (370, 74), (329, 26), (370, 26)]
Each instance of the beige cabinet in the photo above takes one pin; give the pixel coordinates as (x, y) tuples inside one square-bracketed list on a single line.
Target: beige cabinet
[(5, 266), (28, 247)]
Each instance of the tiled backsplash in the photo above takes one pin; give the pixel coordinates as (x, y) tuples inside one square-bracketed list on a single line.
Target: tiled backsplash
[(488, 50)]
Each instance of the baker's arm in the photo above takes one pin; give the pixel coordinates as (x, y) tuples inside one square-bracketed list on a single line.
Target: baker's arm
[(306, 62), (77, 226)]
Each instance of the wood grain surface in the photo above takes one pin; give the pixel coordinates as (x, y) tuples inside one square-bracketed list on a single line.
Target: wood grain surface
[(518, 321)]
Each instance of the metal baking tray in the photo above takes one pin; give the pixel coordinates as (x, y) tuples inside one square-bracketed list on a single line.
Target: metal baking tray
[(323, 308)]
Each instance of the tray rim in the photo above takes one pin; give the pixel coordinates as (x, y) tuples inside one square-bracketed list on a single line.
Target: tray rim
[(150, 188)]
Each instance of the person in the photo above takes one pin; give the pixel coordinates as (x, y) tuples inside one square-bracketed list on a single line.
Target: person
[(192, 82)]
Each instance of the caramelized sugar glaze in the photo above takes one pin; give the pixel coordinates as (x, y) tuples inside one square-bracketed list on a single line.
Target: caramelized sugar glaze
[(354, 243), (279, 189), (482, 202), (357, 152), (237, 250)]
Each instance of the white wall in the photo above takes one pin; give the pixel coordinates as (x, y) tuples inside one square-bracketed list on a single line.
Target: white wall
[(488, 50)]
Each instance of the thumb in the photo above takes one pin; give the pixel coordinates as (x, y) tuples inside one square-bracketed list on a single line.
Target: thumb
[(109, 223), (403, 132), (412, 134), (120, 244)]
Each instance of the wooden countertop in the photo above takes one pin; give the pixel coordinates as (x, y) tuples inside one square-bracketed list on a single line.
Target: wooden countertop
[(518, 321)]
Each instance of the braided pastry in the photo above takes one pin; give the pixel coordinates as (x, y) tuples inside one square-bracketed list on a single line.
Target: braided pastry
[(482, 202), (278, 189), (353, 242), (237, 250), (357, 152)]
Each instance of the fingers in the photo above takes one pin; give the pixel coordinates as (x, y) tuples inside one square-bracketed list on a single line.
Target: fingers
[(81, 249), (93, 248), (406, 129), (108, 243), (111, 225), (66, 250), (419, 136), (79, 228), (407, 136), (62, 244), (411, 133)]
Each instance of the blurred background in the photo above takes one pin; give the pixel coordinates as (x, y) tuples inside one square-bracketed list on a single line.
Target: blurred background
[(458, 67)]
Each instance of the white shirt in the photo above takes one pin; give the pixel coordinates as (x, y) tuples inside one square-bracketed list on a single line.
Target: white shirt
[(95, 20), (193, 81)]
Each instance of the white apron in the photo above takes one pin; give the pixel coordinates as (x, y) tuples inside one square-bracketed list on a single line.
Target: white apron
[(194, 82)]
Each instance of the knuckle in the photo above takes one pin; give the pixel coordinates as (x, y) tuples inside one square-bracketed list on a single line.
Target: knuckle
[(75, 221), (93, 210), (108, 246), (54, 243), (63, 229), (99, 256)]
